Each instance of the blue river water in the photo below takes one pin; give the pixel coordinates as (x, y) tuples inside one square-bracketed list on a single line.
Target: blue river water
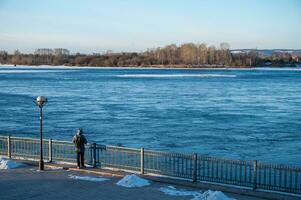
[(234, 113)]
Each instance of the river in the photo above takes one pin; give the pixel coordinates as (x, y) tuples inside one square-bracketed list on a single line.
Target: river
[(233, 113)]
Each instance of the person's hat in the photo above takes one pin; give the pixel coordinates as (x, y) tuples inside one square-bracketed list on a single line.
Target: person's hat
[(79, 130)]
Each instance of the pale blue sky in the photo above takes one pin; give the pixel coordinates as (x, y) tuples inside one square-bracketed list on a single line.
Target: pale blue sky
[(134, 25)]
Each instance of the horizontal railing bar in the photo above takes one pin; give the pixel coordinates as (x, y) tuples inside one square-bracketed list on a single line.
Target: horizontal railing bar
[(118, 147), (113, 164), (164, 152), (25, 138), (207, 158), (279, 167), (123, 151), (171, 156)]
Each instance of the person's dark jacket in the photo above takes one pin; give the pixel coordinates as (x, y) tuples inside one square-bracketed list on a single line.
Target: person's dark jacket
[(79, 140)]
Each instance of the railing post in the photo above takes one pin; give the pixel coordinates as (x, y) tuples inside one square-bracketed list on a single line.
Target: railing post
[(8, 147), (255, 175), (142, 161), (91, 154), (94, 154), (194, 167), (50, 150)]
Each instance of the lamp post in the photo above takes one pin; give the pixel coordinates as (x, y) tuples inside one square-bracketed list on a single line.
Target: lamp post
[(41, 101)]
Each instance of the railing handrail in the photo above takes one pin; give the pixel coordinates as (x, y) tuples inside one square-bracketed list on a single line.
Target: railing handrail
[(206, 157), (125, 148), (211, 158), (280, 166)]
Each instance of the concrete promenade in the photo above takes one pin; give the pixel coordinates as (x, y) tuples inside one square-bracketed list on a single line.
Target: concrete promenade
[(28, 184)]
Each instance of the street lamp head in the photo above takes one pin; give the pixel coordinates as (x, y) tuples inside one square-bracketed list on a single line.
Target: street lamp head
[(41, 101)]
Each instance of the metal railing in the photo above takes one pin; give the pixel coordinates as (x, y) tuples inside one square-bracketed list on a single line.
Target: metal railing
[(29, 148), (251, 174)]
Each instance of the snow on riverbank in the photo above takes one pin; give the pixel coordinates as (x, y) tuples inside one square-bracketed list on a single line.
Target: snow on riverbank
[(88, 178), (170, 190), (215, 195), (9, 164), (208, 195), (131, 181)]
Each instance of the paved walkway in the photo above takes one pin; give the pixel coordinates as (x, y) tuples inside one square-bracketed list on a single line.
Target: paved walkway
[(29, 184)]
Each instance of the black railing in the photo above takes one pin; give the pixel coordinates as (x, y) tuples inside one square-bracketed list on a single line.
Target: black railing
[(251, 174)]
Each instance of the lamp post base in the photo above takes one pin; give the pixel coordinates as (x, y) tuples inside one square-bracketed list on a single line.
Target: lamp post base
[(41, 165)]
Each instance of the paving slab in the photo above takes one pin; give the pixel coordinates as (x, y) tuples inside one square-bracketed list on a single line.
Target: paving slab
[(28, 183)]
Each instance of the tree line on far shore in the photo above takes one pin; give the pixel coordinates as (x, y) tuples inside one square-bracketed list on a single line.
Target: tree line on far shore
[(185, 55)]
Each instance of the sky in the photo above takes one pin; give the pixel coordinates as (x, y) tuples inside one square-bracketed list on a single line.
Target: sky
[(89, 26)]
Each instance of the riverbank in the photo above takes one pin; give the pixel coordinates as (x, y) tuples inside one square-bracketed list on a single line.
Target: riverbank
[(60, 180), (205, 67), (54, 182)]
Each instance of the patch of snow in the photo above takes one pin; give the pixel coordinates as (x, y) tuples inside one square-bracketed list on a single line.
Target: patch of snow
[(170, 190), (9, 164), (132, 180), (215, 195), (208, 195), (88, 178)]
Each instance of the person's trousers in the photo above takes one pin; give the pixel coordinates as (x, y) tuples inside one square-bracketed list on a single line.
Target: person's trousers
[(80, 157)]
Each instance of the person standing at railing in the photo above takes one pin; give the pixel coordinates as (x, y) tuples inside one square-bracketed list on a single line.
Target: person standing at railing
[(80, 140)]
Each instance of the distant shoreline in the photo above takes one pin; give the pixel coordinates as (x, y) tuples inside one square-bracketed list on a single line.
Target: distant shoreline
[(205, 67)]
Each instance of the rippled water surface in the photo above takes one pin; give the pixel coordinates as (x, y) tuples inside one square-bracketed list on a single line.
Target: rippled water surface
[(241, 114)]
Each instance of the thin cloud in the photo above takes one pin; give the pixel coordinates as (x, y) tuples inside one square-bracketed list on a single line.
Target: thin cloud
[(6, 37)]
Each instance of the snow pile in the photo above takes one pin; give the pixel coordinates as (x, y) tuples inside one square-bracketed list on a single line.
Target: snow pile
[(208, 195), (170, 190), (131, 181), (8, 164), (88, 178), (215, 195)]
